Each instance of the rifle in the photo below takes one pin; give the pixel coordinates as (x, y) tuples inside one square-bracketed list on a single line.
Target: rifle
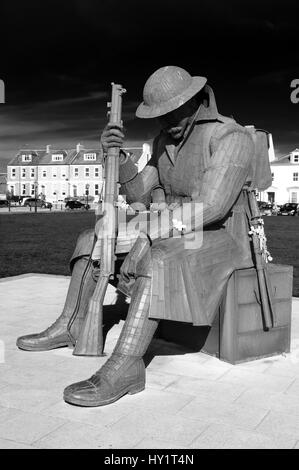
[(261, 259), (90, 340)]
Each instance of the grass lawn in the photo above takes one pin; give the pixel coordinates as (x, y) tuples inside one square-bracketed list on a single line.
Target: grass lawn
[(40, 243), (43, 243)]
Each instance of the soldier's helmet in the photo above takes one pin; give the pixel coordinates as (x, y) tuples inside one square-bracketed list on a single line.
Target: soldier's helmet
[(167, 89)]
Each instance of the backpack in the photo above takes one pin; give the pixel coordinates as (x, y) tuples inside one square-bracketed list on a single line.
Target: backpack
[(260, 172)]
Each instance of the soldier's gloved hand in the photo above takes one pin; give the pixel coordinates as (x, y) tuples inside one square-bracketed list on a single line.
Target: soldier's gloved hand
[(112, 136), (129, 266), (158, 206)]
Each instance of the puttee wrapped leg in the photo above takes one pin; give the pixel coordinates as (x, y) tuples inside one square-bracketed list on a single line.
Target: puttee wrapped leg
[(124, 371), (58, 334)]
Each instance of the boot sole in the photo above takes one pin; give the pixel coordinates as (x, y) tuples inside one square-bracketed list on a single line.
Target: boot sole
[(54, 346), (130, 391)]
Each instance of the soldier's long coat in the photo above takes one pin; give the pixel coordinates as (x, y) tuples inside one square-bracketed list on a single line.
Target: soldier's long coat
[(210, 166)]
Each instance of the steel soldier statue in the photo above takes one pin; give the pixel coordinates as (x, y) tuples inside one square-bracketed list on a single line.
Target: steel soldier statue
[(202, 158)]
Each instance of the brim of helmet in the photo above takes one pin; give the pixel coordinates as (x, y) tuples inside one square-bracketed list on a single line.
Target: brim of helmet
[(146, 112)]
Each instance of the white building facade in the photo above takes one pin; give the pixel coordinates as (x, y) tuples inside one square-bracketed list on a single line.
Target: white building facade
[(285, 180), (58, 174)]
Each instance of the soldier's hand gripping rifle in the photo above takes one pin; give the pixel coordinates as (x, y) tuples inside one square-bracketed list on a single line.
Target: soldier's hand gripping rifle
[(90, 340)]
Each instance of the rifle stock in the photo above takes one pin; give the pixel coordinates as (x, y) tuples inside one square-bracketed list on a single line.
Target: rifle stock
[(90, 340), (265, 291)]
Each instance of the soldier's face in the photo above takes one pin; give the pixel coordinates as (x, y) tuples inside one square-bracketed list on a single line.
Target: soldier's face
[(176, 122)]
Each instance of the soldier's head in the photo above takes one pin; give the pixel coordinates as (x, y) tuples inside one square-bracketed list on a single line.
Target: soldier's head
[(172, 96)]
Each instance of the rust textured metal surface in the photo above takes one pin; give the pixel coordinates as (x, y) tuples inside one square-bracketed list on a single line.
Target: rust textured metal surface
[(90, 340), (167, 89), (210, 167), (237, 334), (65, 331), (124, 371)]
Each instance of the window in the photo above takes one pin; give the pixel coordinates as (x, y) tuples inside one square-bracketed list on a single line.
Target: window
[(271, 197), (13, 172), (96, 189), (44, 173), (296, 158), (32, 190), (26, 157), (90, 156), (86, 172), (23, 172), (54, 172), (76, 172), (295, 176), (57, 157), (96, 171), (23, 189), (294, 197), (32, 172), (272, 176), (12, 190)]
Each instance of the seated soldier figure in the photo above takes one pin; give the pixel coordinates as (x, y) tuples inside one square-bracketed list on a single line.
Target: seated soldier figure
[(201, 158)]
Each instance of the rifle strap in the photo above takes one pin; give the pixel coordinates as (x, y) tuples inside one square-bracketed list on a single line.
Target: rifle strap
[(266, 289)]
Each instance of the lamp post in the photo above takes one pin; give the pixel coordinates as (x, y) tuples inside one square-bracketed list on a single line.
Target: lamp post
[(87, 194), (35, 195), (8, 198), (68, 187)]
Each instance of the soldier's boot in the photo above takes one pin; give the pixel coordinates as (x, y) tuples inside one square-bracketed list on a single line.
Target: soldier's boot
[(58, 334), (124, 371)]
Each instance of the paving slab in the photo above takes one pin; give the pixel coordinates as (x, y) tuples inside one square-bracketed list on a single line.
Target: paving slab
[(70, 436), (247, 417), (280, 423), (191, 400), (28, 427), (219, 436)]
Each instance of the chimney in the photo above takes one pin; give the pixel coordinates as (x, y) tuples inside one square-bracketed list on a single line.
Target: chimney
[(79, 147), (48, 148), (271, 149)]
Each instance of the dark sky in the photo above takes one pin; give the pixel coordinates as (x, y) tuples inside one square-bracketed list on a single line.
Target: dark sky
[(59, 57)]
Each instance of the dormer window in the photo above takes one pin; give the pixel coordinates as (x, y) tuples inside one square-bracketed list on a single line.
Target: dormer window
[(296, 158), (57, 157), (26, 157), (90, 156)]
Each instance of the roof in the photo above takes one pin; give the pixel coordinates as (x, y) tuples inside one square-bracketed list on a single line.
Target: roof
[(78, 157), (281, 161), (36, 155), (71, 156), (46, 158), (3, 183), (285, 159), (42, 157)]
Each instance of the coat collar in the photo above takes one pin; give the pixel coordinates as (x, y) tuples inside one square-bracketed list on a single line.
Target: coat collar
[(204, 113)]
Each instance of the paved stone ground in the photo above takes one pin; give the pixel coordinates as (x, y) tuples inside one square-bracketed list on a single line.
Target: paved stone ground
[(190, 401)]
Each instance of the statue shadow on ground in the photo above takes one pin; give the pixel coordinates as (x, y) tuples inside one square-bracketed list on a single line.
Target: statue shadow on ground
[(172, 338)]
